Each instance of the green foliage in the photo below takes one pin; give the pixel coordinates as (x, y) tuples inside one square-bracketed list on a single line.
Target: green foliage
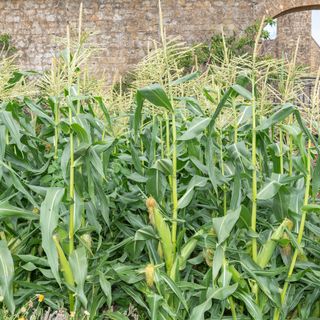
[(6, 43), (236, 44), (203, 150)]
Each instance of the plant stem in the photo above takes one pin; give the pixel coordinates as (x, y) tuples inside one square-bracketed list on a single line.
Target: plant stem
[(300, 234), (233, 308), (281, 150), (290, 155), (154, 151), (289, 85), (71, 179), (224, 187), (254, 145), (173, 178), (174, 183), (290, 142), (167, 135), (235, 125), (71, 190), (161, 139), (56, 130), (254, 180), (142, 151)]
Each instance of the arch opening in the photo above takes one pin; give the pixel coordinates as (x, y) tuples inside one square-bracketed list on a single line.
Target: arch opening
[(315, 26)]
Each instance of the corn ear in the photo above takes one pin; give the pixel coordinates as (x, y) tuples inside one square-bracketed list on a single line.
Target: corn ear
[(271, 244), (165, 237), (163, 231)]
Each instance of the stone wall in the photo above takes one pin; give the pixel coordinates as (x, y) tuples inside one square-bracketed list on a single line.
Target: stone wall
[(123, 28)]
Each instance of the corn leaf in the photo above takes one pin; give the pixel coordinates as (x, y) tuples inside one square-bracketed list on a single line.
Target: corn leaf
[(13, 127), (79, 266), (174, 288), (196, 182), (154, 301), (269, 190), (6, 276), (252, 307), (106, 288), (9, 211), (195, 129), (242, 91), (224, 225), (49, 216), (217, 294), (186, 78), (156, 95), (277, 117)]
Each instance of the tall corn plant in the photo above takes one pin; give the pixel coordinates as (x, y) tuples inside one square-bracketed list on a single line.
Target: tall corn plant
[(154, 218), (50, 144), (271, 193)]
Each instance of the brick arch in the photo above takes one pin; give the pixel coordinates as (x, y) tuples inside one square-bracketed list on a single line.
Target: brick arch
[(278, 8), (297, 9), (294, 21)]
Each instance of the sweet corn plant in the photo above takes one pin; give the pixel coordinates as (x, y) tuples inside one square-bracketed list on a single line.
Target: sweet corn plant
[(204, 206)]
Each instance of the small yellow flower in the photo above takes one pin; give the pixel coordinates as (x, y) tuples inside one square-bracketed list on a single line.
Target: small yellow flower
[(40, 297), (72, 314), (22, 318), (36, 210)]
